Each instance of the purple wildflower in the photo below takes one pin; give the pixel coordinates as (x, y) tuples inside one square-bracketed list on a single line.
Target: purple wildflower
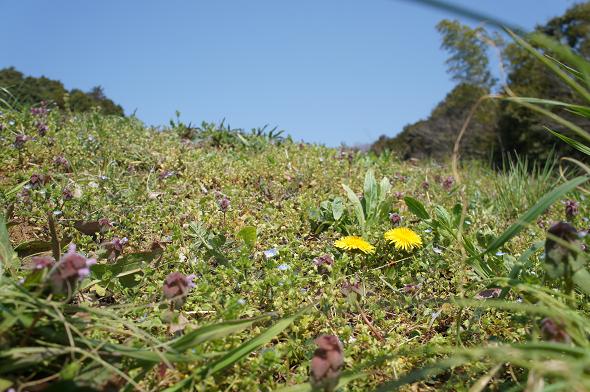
[(38, 180), (224, 204), (395, 218), (571, 209), (105, 224), (398, 195), (42, 128), (20, 140), (164, 174), (41, 110), (67, 194), (323, 260), (176, 287), (42, 262), (71, 268), (448, 183), (554, 331), (115, 247), (411, 288), (327, 362), (60, 161)]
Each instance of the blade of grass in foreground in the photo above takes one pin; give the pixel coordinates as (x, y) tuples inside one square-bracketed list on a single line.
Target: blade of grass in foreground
[(528, 217), (239, 353), (210, 332)]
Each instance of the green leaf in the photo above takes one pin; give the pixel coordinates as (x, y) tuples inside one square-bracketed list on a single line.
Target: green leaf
[(416, 208), (8, 258), (4, 384), (371, 194), (582, 279), (528, 217), (248, 235), (337, 208), (125, 268), (356, 205)]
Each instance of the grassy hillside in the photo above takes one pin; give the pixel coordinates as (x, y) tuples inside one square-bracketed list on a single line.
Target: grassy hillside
[(248, 215)]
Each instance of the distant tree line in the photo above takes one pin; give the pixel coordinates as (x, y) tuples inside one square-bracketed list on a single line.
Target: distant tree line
[(24, 90), (498, 127)]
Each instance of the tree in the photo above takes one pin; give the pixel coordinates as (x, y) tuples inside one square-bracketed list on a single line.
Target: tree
[(468, 61), (28, 91)]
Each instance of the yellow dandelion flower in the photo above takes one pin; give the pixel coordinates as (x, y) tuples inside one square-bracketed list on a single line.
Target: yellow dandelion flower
[(352, 242), (403, 238)]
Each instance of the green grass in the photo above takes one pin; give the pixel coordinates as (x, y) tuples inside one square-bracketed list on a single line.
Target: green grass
[(117, 172)]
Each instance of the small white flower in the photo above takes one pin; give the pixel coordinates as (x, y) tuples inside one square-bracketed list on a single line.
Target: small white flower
[(437, 250), (283, 267)]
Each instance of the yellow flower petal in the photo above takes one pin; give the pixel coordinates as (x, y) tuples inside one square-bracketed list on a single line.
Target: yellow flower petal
[(352, 242), (403, 238)]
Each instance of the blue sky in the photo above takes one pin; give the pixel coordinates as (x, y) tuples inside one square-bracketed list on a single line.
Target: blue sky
[(327, 71)]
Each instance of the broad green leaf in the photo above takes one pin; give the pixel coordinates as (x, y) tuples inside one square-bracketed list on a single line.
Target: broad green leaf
[(337, 208), (416, 208), (8, 259), (370, 194), (528, 217), (356, 205), (582, 280), (4, 384), (248, 235)]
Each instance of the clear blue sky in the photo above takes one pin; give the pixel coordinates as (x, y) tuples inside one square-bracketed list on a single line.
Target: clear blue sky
[(327, 71)]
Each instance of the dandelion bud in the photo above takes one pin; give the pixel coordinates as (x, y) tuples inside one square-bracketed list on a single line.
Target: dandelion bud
[(326, 364)]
